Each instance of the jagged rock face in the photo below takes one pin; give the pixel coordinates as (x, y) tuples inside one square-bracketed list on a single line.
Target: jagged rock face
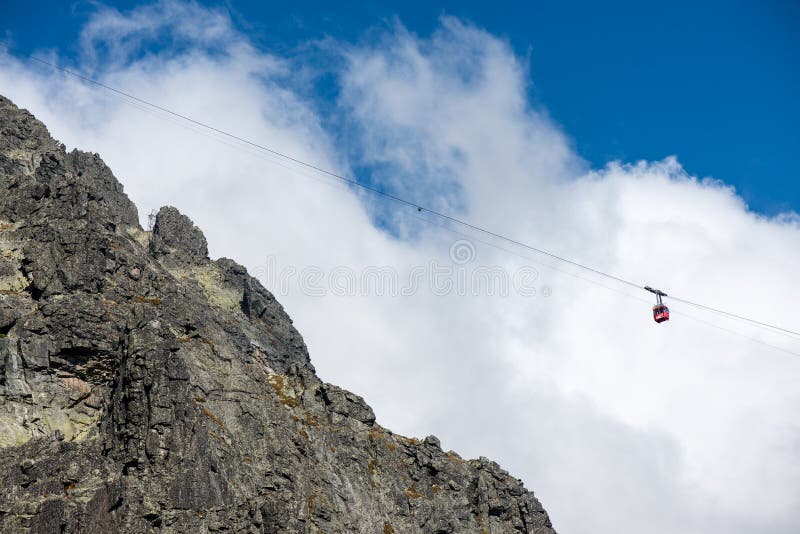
[(176, 241), (148, 388)]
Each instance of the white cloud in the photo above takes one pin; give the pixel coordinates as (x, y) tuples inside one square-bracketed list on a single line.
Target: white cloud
[(619, 425)]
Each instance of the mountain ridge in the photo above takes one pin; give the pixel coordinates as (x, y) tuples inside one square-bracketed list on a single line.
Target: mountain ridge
[(147, 387)]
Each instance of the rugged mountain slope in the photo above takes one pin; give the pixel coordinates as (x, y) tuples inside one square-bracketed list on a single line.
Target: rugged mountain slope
[(148, 388)]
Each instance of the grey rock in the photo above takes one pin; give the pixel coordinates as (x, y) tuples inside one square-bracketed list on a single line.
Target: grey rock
[(346, 404), (146, 388), (9, 314), (16, 386), (35, 353), (433, 441), (176, 240)]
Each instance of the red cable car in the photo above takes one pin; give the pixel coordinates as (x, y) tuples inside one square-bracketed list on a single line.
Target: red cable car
[(660, 311)]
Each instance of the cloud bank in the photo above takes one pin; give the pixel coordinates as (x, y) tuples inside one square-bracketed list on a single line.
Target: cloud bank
[(619, 425)]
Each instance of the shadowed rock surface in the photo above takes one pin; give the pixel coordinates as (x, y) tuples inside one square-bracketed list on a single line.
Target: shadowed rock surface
[(148, 388)]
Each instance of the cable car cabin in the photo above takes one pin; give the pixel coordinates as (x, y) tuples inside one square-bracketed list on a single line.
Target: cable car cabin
[(660, 313)]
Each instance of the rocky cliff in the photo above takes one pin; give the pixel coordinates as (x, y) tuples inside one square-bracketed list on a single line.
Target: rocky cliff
[(148, 388)]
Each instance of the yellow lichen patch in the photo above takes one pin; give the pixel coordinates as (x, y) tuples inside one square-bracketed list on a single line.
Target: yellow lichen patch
[(176, 332), (210, 279), (21, 423), (12, 435), (10, 251), (28, 161), (140, 236), (8, 248), (286, 394), (15, 283)]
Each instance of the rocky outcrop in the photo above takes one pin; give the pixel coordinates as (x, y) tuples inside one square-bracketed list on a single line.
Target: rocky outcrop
[(176, 241), (146, 387)]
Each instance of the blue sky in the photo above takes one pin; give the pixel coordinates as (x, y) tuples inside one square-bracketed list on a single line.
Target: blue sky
[(714, 83)]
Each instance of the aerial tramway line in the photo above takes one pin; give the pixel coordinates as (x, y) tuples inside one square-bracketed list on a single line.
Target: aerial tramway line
[(660, 311)]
